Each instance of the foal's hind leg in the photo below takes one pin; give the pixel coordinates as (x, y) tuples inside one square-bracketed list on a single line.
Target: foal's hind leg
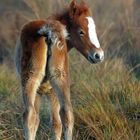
[(37, 108), (67, 119), (62, 91), (37, 120), (66, 111), (59, 74), (31, 114)]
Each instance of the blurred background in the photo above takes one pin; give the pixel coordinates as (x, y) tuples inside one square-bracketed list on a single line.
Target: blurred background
[(105, 97)]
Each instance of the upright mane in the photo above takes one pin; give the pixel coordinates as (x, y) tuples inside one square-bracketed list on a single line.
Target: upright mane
[(70, 12)]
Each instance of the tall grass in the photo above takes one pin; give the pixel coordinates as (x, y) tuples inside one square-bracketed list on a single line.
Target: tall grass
[(106, 102), (105, 97)]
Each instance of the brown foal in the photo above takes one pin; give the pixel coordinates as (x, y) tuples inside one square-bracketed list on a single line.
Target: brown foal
[(42, 62)]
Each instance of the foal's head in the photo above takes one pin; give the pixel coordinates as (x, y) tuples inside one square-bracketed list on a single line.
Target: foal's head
[(82, 31)]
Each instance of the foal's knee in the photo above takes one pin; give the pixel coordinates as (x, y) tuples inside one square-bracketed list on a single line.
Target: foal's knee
[(30, 116)]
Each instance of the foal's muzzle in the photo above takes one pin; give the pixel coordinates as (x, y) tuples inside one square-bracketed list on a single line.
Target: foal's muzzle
[(95, 57)]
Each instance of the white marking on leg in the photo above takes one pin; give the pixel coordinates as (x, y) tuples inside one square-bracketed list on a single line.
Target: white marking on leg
[(92, 32)]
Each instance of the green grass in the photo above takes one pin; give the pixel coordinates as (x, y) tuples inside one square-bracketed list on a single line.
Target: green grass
[(10, 108)]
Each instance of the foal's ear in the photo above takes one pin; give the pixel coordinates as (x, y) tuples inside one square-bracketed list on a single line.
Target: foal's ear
[(73, 3), (83, 2), (73, 8)]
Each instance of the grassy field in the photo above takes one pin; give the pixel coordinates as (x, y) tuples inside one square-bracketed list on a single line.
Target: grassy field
[(105, 97)]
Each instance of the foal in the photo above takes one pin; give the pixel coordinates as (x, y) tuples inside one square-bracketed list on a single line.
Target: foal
[(33, 53)]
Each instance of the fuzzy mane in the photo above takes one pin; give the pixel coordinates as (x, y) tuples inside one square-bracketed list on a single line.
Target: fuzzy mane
[(70, 12)]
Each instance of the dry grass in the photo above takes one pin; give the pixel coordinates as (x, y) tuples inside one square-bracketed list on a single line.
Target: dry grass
[(105, 97)]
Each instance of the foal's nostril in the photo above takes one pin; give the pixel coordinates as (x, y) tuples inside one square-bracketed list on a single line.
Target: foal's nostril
[(97, 56)]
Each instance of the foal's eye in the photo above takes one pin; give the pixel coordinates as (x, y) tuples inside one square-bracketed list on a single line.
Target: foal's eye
[(81, 32)]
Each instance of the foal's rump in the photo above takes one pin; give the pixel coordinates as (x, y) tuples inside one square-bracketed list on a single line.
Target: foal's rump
[(32, 47)]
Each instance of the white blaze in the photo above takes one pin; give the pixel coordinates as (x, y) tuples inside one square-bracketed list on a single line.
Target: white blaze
[(92, 32)]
